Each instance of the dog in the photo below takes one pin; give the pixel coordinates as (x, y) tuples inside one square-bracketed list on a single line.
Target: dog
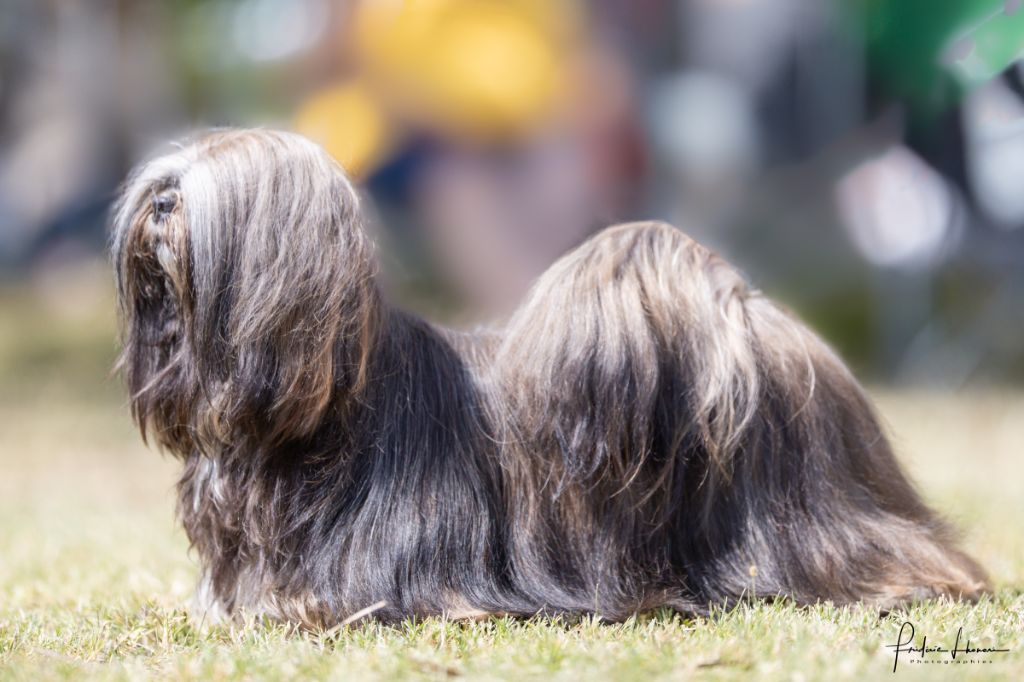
[(646, 431)]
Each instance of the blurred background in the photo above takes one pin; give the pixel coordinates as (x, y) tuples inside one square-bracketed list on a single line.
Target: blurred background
[(861, 160)]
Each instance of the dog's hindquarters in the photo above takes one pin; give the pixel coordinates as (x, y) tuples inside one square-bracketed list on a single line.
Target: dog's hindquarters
[(829, 512), (686, 441)]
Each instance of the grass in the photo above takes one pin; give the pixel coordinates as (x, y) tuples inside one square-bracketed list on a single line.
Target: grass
[(95, 574)]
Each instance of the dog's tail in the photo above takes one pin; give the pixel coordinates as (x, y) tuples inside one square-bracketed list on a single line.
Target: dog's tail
[(666, 415)]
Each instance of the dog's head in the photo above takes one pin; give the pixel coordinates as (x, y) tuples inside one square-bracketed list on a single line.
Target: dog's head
[(245, 283)]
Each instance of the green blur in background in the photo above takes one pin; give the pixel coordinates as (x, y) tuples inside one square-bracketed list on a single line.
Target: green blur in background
[(931, 51)]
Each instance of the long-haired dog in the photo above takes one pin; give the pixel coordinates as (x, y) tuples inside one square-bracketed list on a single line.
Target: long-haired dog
[(645, 431)]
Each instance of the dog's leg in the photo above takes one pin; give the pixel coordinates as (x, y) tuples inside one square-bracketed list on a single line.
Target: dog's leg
[(206, 609)]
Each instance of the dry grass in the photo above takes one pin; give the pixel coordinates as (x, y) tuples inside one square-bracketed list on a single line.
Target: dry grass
[(94, 572)]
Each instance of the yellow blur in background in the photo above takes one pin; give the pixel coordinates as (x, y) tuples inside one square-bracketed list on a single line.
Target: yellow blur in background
[(476, 68)]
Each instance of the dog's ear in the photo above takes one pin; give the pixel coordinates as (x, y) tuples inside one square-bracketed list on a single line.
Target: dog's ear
[(284, 293)]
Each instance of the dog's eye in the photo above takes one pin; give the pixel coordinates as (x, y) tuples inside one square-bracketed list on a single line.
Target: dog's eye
[(163, 204)]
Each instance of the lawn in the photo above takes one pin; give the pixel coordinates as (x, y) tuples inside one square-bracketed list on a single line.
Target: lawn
[(95, 574)]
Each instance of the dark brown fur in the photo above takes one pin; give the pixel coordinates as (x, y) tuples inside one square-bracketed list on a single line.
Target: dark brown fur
[(646, 430)]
